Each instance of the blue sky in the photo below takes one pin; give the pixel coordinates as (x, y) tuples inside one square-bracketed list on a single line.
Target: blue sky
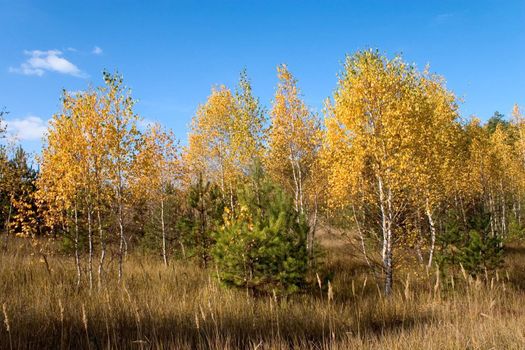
[(172, 52)]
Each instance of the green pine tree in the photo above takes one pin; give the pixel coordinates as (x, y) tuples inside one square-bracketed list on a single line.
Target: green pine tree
[(262, 244), (469, 245), (203, 214)]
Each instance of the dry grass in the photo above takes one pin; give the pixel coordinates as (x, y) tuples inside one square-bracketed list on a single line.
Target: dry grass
[(184, 307)]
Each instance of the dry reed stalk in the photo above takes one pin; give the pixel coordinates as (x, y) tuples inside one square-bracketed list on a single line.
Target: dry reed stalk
[(61, 309), (407, 287), (85, 322), (7, 325)]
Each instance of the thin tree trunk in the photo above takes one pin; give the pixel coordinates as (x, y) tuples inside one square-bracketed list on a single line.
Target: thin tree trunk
[(503, 219), (360, 232), (7, 226), (386, 216), (119, 192), (389, 278), (296, 184), (420, 235), (90, 243), (300, 181), (122, 241), (389, 264), (77, 256), (432, 234), (203, 227), (463, 212), (383, 217), (164, 255), (102, 249), (223, 180), (519, 210), (419, 254), (183, 249), (294, 172), (232, 205), (503, 212), (311, 232), (492, 214)]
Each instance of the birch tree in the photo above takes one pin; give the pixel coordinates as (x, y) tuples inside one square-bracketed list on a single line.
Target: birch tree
[(249, 136), (60, 181), (378, 127), (226, 137), (210, 151), (156, 170), (121, 137), (439, 160), (293, 144)]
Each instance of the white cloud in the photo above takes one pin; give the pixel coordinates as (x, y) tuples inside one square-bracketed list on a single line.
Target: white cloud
[(51, 61), (29, 128), (97, 51)]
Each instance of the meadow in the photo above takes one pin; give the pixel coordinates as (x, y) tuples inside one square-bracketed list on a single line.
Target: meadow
[(262, 175), (183, 306), (391, 222)]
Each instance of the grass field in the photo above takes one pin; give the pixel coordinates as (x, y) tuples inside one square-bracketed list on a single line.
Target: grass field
[(185, 307)]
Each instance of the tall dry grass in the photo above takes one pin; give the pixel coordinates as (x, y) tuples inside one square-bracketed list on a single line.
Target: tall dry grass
[(184, 307)]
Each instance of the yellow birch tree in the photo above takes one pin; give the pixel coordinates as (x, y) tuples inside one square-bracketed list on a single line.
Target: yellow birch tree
[(294, 141), (157, 169), (381, 129)]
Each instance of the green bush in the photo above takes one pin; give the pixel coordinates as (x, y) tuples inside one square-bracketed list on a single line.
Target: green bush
[(470, 245), (515, 232), (203, 214), (481, 253), (262, 244)]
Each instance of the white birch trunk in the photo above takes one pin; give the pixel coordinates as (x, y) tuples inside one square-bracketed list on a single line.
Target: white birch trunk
[(121, 244), (386, 218), (432, 234), (360, 232), (383, 217), (90, 243), (164, 255), (77, 255), (503, 212), (7, 225), (389, 264), (102, 249)]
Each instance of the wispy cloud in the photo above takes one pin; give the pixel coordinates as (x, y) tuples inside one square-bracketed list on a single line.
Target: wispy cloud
[(30, 128), (97, 51), (40, 62)]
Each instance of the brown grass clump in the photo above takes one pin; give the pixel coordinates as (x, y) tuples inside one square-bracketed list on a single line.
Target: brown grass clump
[(184, 307)]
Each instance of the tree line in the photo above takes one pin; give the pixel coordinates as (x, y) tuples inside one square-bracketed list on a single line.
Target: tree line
[(390, 160)]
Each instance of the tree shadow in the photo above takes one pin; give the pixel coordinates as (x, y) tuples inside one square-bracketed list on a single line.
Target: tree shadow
[(183, 332)]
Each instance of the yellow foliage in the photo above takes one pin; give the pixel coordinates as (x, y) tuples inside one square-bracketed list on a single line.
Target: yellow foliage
[(294, 142)]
